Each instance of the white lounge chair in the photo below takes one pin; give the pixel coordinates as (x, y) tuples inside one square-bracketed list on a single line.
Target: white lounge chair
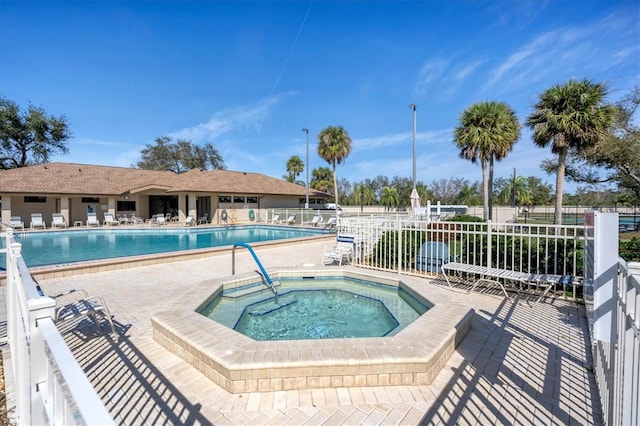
[(58, 221), (291, 220), (109, 220), (317, 219), (189, 221), (275, 218), (341, 251), (77, 303), (37, 222), (16, 222), (92, 219), (331, 223)]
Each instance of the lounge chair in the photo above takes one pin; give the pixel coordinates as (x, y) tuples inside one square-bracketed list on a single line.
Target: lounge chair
[(331, 223), (123, 219), (204, 219), (275, 218), (189, 221), (502, 277), (77, 303), (16, 222), (317, 219), (109, 220), (291, 220), (160, 220), (341, 251), (37, 222), (58, 221), (92, 219)]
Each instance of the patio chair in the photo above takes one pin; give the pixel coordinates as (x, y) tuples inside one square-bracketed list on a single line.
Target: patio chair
[(109, 220), (331, 223), (58, 221), (291, 220), (275, 218), (432, 255), (317, 219), (160, 220), (189, 221), (37, 222), (204, 219), (16, 222), (77, 303), (92, 219), (341, 251)]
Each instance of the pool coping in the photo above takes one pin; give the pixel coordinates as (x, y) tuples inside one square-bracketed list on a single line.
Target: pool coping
[(240, 364)]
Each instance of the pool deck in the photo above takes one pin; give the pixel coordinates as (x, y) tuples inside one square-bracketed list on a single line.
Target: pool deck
[(518, 364)]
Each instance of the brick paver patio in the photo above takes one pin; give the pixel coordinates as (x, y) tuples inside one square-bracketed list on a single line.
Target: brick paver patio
[(518, 365)]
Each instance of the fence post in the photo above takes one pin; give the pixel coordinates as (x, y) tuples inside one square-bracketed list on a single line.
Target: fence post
[(399, 228)]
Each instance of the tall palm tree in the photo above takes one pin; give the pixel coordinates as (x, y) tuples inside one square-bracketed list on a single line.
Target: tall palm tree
[(389, 197), (295, 166), (570, 117), (487, 131), (363, 194), (334, 145)]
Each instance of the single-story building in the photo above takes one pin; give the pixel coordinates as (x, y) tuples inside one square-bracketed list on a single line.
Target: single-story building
[(77, 189)]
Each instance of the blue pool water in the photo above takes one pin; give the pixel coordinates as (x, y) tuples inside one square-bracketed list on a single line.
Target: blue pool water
[(315, 308), (64, 247)]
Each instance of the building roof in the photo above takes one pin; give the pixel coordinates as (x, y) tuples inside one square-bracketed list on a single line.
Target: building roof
[(85, 179)]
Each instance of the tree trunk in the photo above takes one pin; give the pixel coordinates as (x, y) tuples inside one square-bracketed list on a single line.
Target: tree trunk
[(335, 186), (490, 189), (562, 158), (485, 189)]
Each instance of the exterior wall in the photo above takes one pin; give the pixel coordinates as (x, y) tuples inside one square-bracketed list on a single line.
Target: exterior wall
[(17, 207)]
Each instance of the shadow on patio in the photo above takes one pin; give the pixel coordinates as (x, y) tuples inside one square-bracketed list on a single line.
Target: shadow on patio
[(522, 365), (131, 388)]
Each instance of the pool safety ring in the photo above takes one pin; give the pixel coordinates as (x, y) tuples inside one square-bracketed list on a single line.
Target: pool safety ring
[(223, 215), (252, 215)]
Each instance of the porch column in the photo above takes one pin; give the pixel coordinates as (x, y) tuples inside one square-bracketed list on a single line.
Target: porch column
[(182, 207), (64, 209), (111, 206), (6, 207), (193, 206)]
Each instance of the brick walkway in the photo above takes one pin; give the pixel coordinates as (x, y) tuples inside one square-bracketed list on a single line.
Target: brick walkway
[(518, 364)]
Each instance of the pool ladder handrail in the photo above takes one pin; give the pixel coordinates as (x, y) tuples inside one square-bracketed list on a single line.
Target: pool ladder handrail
[(255, 257)]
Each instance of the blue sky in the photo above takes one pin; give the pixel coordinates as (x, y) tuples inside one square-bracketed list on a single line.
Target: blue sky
[(247, 76)]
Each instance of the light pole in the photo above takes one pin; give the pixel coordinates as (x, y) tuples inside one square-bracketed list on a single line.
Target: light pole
[(413, 107), (306, 166)]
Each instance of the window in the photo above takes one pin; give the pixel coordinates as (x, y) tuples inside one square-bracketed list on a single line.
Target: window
[(35, 199), (126, 206), (224, 199), (238, 199), (90, 200), (252, 200)]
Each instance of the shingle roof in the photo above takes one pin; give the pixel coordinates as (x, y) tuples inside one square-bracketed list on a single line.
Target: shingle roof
[(71, 178)]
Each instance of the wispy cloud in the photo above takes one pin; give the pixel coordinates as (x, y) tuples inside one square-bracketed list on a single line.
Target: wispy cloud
[(431, 71), (228, 120)]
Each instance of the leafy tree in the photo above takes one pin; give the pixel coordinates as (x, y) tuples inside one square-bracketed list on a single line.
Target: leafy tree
[(389, 197), (469, 194), (295, 166), (571, 116), (505, 191), (30, 137), (403, 187), (487, 131), (321, 179), (363, 194), (334, 146), (179, 156), (447, 190), (540, 192), (344, 188)]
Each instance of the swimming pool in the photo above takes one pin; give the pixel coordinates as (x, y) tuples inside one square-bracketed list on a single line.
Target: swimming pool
[(72, 246), (315, 308)]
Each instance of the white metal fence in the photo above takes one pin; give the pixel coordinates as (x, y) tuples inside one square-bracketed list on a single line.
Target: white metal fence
[(418, 247), (51, 387)]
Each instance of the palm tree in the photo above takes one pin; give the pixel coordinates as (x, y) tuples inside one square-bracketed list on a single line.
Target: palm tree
[(522, 192), (389, 197), (487, 131), (334, 145), (570, 117), (468, 195), (295, 166), (363, 194), (321, 179)]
